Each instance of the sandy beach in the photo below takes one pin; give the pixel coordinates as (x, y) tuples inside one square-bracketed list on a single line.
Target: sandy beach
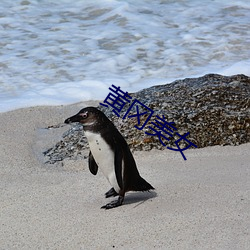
[(200, 203)]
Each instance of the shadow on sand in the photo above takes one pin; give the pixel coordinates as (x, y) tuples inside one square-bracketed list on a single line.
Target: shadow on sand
[(138, 198)]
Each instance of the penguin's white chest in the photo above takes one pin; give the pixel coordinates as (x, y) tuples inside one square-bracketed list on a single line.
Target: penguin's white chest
[(104, 157)]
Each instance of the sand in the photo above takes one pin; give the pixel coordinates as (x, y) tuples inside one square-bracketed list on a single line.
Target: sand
[(201, 203)]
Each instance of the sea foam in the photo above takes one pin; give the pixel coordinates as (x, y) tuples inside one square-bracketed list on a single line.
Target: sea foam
[(62, 52)]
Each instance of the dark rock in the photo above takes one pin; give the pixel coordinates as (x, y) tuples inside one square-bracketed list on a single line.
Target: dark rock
[(215, 110)]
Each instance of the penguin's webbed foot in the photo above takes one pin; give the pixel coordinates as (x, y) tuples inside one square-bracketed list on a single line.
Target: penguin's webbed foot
[(113, 204), (111, 193)]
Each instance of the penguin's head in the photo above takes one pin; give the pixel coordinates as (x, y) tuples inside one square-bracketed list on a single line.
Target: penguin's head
[(88, 117)]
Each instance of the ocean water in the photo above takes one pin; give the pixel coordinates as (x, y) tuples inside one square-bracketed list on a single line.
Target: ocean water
[(61, 52)]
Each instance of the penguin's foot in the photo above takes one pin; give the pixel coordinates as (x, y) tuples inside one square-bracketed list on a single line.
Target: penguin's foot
[(113, 204), (111, 193)]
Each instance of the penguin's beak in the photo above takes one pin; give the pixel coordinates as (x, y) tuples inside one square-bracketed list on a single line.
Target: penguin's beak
[(74, 118)]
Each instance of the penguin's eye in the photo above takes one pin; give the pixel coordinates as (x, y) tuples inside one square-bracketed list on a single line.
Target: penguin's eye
[(84, 115)]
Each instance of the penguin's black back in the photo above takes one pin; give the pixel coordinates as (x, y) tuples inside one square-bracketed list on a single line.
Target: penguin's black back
[(132, 180)]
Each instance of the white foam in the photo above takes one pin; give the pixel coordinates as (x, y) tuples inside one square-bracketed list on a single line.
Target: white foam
[(62, 52), (242, 67)]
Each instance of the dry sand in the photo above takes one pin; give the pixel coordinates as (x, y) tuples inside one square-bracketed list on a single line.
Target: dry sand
[(201, 203)]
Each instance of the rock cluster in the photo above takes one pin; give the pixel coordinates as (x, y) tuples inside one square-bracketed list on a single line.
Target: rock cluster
[(214, 109)]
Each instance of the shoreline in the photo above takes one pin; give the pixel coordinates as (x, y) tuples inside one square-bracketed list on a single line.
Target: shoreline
[(199, 203)]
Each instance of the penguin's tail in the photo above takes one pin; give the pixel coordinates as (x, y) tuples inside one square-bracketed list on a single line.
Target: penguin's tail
[(141, 185)]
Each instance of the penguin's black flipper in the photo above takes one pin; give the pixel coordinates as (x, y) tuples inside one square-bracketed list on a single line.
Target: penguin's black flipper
[(118, 166), (93, 167), (111, 193)]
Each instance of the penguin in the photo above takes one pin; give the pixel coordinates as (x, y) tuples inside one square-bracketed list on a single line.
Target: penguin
[(110, 152)]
